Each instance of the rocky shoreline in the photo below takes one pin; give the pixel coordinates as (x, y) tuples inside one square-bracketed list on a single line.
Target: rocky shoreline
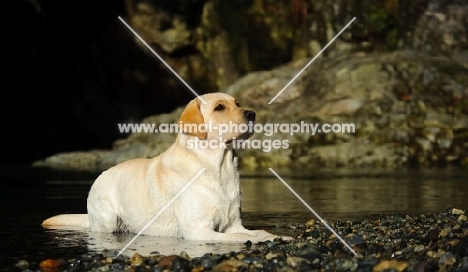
[(426, 242), (404, 110)]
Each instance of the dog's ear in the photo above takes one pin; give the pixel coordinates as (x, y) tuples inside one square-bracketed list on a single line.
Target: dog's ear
[(192, 119)]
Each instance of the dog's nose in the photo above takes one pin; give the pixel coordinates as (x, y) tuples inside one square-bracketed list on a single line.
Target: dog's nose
[(249, 115)]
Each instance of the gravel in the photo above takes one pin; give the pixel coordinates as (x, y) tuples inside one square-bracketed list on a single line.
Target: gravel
[(426, 242)]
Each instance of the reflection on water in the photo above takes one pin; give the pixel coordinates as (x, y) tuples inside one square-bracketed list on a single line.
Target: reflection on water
[(348, 198), (144, 245)]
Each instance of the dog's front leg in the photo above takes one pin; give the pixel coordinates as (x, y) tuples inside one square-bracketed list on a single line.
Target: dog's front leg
[(208, 234), (204, 230), (202, 226), (237, 227)]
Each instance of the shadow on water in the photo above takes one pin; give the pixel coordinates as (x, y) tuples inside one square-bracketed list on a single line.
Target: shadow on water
[(28, 196)]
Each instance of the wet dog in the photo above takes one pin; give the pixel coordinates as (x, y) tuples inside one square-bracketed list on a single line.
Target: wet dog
[(127, 197)]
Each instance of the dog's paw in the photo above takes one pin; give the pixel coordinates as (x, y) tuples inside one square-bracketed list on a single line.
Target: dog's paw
[(263, 236), (260, 233)]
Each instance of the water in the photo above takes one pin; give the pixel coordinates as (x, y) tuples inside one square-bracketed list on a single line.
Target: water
[(28, 196)]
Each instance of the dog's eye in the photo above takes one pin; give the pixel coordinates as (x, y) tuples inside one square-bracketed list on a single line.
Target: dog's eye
[(237, 103), (220, 107)]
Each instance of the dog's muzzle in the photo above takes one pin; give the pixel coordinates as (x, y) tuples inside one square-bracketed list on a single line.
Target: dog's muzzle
[(249, 115)]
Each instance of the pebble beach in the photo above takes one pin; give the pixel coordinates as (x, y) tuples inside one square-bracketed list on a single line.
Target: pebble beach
[(425, 242)]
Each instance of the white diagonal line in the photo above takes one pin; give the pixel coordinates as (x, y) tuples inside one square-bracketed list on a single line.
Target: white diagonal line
[(310, 62), (312, 210), (160, 212), (161, 59)]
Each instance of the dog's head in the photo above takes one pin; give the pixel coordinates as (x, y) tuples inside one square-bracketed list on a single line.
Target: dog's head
[(222, 117)]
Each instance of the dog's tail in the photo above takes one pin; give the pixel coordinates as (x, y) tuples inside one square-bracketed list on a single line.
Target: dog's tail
[(67, 220)]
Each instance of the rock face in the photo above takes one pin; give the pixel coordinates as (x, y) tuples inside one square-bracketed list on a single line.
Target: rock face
[(401, 109), (397, 78), (213, 43), (406, 108)]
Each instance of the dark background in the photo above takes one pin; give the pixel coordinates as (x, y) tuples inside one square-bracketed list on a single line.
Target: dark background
[(65, 87)]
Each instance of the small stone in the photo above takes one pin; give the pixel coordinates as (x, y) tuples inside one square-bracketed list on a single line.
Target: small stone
[(240, 256), (432, 235), (185, 255), (446, 260), (180, 264), (310, 253), (418, 248), (392, 264), (110, 253), (151, 260), (270, 255), (295, 261), (198, 268), (453, 242), (310, 224), (230, 265), (314, 233), (136, 260), (420, 266), (444, 233), (463, 264), (140, 268), (272, 245), (252, 260), (104, 268), (22, 264), (346, 264), (273, 265), (166, 261), (356, 240), (462, 218), (457, 211), (117, 267), (207, 262), (50, 264), (367, 263), (434, 254)]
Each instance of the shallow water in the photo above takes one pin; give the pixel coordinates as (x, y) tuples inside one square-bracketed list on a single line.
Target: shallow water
[(28, 196)]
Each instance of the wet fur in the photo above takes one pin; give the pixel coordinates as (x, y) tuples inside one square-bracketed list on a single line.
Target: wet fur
[(127, 196)]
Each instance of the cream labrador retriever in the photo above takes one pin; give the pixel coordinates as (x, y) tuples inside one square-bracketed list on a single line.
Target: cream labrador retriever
[(129, 195)]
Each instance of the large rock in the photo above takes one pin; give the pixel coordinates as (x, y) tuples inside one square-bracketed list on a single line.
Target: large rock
[(213, 43), (407, 110)]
